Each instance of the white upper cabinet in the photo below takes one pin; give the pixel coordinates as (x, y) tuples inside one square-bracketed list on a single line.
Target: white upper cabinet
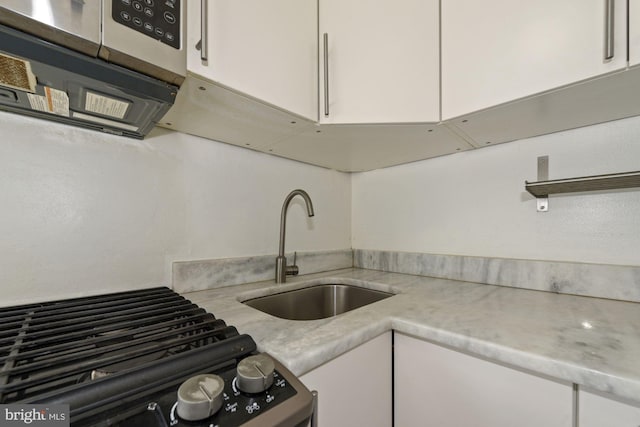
[(634, 32), (382, 61), (497, 51), (264, 49)]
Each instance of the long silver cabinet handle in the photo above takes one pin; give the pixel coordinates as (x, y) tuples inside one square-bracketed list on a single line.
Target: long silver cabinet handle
[(204, 30), (609, 35), (325, 40)]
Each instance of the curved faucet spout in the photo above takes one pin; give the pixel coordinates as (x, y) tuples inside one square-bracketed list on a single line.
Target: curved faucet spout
[(283, 215), (281, 261)]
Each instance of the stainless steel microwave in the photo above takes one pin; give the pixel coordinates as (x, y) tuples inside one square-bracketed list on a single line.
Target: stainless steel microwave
[(110, 65)]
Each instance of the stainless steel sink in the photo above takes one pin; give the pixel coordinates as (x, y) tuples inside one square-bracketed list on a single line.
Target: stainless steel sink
[(316, 302)]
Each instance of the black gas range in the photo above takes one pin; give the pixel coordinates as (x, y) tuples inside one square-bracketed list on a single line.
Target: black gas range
[(143, 358)]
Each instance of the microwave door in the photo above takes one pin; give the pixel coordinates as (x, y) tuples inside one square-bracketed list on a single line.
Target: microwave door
[(74, 24)]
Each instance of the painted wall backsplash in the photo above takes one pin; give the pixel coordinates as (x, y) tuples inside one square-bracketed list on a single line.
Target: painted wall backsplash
[(474, 203), (84, 212)]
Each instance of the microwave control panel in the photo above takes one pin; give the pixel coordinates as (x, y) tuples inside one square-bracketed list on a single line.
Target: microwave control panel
[(158, 19)]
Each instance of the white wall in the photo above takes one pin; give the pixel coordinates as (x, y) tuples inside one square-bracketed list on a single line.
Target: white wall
[(83, 212), (474, 203)]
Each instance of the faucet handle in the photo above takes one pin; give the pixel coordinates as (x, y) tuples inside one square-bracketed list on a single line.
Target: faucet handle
[(292, 270)]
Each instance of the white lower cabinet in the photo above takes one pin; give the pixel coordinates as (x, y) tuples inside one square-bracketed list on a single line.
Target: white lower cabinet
[(598, 410), (427, 385), (438, 387), (355, 389)]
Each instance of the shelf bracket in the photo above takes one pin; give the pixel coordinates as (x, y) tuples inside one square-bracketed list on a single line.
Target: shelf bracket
[(543, 187), (542, 202)]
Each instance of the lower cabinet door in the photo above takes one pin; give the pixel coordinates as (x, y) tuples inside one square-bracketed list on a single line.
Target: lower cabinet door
[(355, 389), (438, 387), (599, 410)]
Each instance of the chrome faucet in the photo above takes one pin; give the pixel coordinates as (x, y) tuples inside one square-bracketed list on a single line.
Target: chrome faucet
[(282, 270)]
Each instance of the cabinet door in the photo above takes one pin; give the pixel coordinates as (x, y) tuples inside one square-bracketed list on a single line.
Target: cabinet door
[(634, 32), (355, 388), (438, 387), (265, 49), (597, 410), (382, 61), (497, 51)]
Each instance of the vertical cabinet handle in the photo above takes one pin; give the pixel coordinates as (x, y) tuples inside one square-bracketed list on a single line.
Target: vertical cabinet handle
[(325, 40), (609, 36), (203, 44)]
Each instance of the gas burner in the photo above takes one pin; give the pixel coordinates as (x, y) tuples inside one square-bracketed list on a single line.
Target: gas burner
[(119, 360)]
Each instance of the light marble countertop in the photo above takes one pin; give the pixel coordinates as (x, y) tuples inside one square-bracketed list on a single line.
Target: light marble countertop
[(588, 341)]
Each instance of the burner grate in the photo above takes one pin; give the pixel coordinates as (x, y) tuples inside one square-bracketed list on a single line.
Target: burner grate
[(52, 347)]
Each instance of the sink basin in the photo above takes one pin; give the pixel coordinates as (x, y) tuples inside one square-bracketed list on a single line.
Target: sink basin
[(316, 302)]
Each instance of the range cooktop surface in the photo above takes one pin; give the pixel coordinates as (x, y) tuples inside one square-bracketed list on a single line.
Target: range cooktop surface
[(148, 357)]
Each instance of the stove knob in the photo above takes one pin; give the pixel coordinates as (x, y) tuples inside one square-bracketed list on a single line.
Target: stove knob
[(200, 397), (255, 373)]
